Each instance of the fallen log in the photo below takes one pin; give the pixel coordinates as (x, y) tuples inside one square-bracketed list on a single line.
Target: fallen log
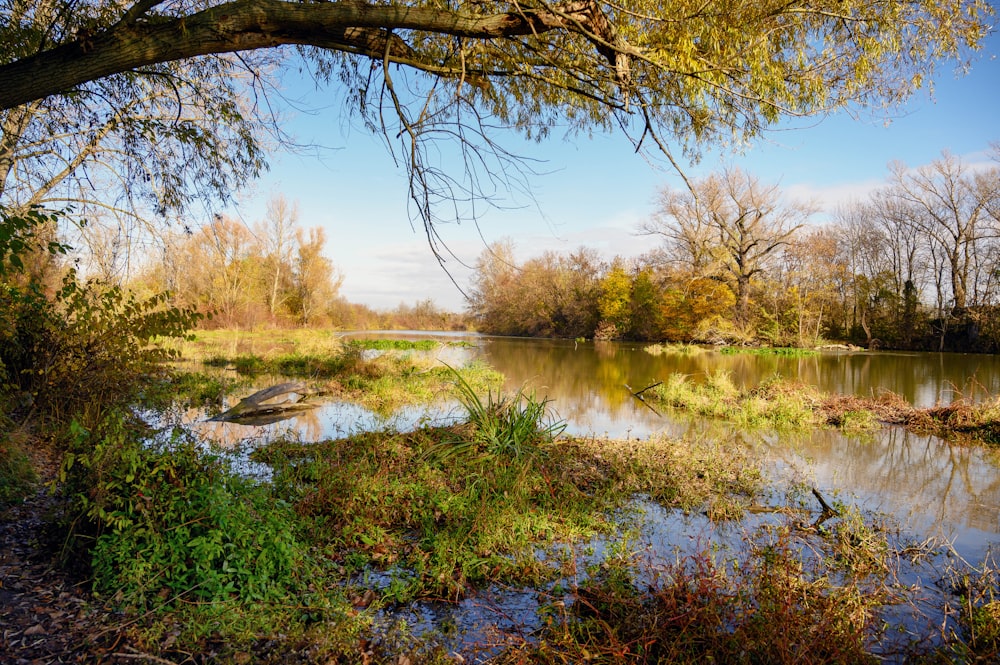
[(270, 404)]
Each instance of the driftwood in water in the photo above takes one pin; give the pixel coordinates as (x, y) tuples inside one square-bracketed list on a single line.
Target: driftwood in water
[(269, 405), (638, 395), (828, 510)]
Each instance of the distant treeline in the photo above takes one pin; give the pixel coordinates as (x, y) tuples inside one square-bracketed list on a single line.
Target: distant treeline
[(271, 274), (914, 266)]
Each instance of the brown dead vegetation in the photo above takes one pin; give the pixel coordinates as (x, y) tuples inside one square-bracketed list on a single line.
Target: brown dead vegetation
[(958, 420)]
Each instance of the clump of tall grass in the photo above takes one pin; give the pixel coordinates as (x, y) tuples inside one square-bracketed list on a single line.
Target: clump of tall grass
[(774, 403), (512, 427), (787, 351), (716, 396), (674, 349)]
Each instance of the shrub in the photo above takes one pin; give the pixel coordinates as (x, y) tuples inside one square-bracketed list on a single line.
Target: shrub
[(163, 520), (86, 347), (83, 346), (17, 477)]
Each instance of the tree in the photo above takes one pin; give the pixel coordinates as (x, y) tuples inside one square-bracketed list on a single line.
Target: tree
[(129, 151), (813, 276), (735, 220), (316, 281), (951, 204), (491, 299), (685, 73), (277, 234), (614, 301)]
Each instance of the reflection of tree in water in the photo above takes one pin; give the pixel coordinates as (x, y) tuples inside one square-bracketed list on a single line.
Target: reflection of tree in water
[(303, 426), (587, 378), (572, 371), (934, 486)]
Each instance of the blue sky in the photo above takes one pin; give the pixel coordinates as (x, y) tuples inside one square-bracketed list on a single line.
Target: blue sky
[(595, 191)]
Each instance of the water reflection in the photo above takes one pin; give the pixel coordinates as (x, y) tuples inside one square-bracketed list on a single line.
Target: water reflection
[(932, 487), (577, 372), (935, 488)]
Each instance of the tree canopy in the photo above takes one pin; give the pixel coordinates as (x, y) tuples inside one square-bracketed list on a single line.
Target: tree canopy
[(696, 69), (674, 75)]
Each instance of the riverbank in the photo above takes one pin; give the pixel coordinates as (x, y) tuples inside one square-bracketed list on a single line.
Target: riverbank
[(495, 539)]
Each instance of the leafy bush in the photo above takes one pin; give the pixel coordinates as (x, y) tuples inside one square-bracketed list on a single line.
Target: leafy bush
[(84, 345), (19, 237), (87, 345), (16, 473), (164, 519)]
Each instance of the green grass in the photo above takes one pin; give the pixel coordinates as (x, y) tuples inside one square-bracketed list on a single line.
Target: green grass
[(790, 352), (674, 349), (774, 403), (395, 344)]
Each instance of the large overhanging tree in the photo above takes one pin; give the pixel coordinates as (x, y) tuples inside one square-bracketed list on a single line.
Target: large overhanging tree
[(672, 74)]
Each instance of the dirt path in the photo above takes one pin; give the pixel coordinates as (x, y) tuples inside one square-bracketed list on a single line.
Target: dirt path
[(47, 616)]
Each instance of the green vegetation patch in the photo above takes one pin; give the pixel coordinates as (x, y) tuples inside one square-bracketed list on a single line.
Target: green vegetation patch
[(674, 349), (774, 403), (17, 476), (791, 352), (170, 521), (395, 344), (443, 509)]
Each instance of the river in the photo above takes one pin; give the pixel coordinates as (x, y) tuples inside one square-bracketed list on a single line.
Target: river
[(930, 489), (934, 489)]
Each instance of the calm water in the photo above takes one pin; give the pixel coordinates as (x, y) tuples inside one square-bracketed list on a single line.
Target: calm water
[(934, 488)]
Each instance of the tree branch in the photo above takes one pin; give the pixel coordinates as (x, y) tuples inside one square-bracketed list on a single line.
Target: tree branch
[(253, 24)]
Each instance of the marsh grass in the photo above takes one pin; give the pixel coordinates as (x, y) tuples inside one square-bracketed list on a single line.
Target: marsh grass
[(262, 343), (776, 600), (674, 349), (446, 509), (777, 403), (511, 427), (773, 403), (785, 351)]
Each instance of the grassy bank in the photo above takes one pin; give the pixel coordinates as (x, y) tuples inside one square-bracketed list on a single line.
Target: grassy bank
[(311, 566), (380, 374), (780, 404)]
